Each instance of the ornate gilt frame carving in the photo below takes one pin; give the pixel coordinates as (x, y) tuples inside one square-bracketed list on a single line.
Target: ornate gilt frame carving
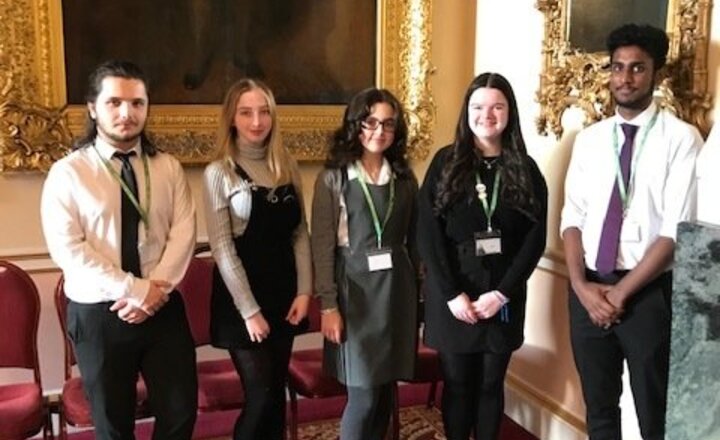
[(36, 126), (571, 77)]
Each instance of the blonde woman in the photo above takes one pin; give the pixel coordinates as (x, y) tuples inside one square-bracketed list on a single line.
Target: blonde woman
[(259, 239)]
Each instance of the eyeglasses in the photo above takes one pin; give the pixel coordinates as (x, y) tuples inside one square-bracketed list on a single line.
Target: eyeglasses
[(372, 124)]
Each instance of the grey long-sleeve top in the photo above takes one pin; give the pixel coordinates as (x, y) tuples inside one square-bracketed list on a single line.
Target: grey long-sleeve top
[(226, 220)]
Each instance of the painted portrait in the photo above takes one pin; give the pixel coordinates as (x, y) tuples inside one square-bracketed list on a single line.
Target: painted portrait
[(589, 21), (309, 52)]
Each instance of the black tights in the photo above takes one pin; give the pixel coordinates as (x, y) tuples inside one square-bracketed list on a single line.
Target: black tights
[(473, 395), (263, 372)]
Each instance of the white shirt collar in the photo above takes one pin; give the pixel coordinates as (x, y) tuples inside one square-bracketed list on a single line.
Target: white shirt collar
[(383, 177), (640, 120), (106, 150)]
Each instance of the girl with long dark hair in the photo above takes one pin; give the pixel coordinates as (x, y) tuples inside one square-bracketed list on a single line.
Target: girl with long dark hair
[(481, 231), (363, 214)]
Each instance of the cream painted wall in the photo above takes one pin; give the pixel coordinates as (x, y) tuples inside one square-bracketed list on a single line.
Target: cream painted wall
[(21, 239)]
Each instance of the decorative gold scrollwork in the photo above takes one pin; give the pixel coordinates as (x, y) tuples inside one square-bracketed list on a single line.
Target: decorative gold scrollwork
[(571, 77), (37, 126), (32, 137)]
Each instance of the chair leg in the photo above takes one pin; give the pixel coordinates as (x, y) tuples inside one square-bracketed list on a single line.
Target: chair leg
[(48, 433), (396, 412), (293, 422), (62, 431), (431, 394)]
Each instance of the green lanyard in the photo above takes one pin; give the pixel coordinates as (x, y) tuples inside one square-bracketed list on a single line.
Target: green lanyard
[(373, 212), (136, 203), (482, 195), (624, 196)]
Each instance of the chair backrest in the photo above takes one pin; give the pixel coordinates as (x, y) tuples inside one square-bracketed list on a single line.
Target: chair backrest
[(61, 309), (314, 315), (196, 289), (19, 319)]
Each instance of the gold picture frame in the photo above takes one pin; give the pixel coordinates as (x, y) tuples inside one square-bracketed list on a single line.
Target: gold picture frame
[(37, 126), (572, 77)]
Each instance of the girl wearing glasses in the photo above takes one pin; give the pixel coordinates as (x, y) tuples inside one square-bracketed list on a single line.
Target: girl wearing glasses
[(259, 239), (482, 218), (363, 212)]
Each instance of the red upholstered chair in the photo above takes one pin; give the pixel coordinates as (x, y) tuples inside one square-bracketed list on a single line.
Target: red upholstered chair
[(427, 370), (74, 407), (219, 386), (22, 411), (427, 363), (305, 374)]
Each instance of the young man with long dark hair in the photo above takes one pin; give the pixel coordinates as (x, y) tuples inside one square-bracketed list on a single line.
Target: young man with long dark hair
[(119, 220)]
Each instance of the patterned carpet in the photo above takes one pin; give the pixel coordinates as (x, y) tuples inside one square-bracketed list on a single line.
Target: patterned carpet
[(416, 423)]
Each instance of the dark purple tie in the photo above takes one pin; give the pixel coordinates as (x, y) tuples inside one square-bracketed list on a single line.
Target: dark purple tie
[(610, 237)]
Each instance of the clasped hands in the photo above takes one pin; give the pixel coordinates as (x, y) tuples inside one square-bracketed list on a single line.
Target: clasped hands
[(604, 303), (485, 307), (134, 312)]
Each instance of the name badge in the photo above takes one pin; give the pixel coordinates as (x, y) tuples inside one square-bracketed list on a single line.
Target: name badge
[(380, 259), (488, 243), (630, 231)]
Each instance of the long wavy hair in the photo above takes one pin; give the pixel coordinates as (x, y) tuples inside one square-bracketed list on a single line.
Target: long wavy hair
[(347, 148), (108, 69), (458, 174), (278, 158)]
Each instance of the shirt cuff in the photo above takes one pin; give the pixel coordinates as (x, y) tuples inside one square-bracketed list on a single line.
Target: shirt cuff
[(328, 303), (250, 312), (139, 290)]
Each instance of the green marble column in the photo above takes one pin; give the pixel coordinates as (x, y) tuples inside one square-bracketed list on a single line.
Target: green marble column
[(693, 411)]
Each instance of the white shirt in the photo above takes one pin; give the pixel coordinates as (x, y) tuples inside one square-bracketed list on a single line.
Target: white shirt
[(662, 190), (708, 179), (81, 220), (384, 176)]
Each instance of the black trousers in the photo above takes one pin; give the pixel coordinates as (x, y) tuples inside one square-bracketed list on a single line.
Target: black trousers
[(473, 397), (110, 354), (263, 372), (367, 413), (643, 339)]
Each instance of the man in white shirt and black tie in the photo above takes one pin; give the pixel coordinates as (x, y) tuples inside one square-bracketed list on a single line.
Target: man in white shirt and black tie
[(119, 220), (629, 183)]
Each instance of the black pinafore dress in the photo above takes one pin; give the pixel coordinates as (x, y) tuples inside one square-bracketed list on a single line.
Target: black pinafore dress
[(266, 251)]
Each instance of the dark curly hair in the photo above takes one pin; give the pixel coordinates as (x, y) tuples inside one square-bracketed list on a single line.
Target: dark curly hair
[(119, 69), (650, 39), (458, 173), (347, 148)]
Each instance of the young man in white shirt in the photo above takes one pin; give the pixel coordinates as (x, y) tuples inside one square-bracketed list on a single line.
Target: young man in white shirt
[(629, 183), (119, 220)]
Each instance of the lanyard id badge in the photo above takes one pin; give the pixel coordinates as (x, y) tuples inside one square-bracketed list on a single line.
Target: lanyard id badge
[(488, 243), (379, 259)]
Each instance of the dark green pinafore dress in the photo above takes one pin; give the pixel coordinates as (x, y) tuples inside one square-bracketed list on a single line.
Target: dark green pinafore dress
[(379, 309)]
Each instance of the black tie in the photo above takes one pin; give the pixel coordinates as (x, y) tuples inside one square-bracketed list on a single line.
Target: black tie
[(130, 218)]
